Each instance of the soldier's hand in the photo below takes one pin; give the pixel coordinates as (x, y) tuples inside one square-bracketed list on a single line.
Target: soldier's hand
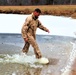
[(48, 31), (25, 39)]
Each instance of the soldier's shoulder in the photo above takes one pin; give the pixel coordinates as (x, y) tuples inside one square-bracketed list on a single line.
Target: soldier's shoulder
[(29, 17)]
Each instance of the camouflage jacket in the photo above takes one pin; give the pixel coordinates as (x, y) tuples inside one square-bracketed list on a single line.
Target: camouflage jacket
[(30, 26)]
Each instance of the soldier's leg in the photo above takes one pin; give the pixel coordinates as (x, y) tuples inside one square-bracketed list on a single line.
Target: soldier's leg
[(26, 47), (32, 41)]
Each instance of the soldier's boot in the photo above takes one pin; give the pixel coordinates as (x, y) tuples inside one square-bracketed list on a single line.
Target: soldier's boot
[(38, 54)]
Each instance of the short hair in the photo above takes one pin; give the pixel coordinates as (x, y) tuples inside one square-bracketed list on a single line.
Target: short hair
[(37, 10)]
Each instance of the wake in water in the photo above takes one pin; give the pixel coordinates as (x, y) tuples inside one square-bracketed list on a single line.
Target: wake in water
[(72, 61)]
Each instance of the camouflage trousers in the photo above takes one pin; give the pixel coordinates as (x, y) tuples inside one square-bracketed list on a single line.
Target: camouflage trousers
[(32, 41)]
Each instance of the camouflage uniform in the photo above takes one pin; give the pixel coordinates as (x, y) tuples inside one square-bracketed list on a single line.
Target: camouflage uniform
[(29, 31)]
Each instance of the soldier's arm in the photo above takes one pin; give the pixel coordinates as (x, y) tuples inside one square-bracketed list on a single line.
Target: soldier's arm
[(42, 27), (25, 28)]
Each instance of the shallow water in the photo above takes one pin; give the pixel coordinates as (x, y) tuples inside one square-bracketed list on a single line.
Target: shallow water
[(56, 48)]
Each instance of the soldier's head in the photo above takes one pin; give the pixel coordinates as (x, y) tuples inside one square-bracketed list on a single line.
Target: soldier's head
[(37, 12)]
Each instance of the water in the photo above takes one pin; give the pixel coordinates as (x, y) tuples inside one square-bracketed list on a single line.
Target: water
[(59, 46), (13, 62)]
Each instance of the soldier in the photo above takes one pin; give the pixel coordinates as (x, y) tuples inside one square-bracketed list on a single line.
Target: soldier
[(29, 32)]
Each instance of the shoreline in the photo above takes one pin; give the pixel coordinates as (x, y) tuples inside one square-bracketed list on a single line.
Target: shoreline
[(56, 10)]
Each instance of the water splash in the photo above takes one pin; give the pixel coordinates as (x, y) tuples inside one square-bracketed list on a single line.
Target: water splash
[(19, 58)]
